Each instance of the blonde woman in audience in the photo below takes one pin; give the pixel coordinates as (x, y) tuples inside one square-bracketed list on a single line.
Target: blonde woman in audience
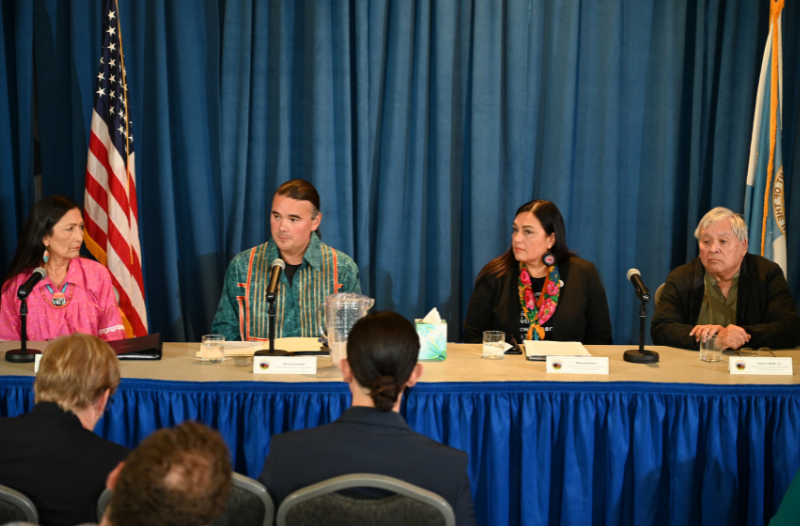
[(51, 455)]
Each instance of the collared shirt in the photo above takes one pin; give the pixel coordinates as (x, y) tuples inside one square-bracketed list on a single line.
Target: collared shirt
[(90, 308), (716, 309), (242, 313)]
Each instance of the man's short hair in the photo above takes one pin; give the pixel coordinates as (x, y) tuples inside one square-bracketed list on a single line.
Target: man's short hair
[(721, 213), (75, 371), (301, 190), (177, 477)]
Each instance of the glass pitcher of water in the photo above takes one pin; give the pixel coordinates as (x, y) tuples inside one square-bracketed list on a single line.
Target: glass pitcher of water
[(338, 314)]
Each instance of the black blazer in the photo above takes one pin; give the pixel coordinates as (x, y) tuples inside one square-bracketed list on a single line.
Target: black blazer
[(365, 440), (53, 460), (764, 306), (581, 315)]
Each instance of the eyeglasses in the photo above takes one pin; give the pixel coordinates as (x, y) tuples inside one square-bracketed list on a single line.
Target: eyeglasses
[(763, 351)]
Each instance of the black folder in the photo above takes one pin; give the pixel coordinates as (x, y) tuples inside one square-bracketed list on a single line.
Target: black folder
[(141, 348)]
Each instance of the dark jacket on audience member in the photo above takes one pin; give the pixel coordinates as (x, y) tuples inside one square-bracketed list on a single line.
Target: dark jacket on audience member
[(764, 306), (365, 440), (48, 456), (581, 316)]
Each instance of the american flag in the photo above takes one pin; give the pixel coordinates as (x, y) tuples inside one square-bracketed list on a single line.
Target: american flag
[(111, 219)]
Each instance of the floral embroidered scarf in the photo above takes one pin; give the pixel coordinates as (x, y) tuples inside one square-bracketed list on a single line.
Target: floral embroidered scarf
[(538, 312)]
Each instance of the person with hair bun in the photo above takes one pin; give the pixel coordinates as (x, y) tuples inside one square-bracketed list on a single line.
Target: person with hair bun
[(313, 271), (51, 455), (371, 436)]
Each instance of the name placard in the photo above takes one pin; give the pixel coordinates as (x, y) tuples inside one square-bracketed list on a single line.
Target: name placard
[(285, 364), (760, 365), (577, 364), (36, 360)]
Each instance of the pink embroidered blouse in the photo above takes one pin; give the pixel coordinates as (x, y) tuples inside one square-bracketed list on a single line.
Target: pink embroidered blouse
[(91, 306)]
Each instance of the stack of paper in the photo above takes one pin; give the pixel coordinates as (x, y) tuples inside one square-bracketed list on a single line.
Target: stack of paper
[(284, 344), (540, 349)]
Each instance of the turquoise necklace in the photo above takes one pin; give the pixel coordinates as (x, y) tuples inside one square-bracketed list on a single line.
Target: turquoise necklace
[(58, 299)]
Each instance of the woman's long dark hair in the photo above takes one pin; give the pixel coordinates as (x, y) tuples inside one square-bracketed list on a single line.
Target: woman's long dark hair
[(382, 351), (553, 223), (30, 248)]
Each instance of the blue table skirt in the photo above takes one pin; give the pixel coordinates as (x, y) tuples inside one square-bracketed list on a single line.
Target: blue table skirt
[(540, 452)]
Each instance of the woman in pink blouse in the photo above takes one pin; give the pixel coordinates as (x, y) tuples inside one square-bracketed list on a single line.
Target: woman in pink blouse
[(76, 295)]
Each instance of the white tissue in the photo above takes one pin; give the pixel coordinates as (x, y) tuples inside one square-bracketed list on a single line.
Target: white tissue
[(432, 317)]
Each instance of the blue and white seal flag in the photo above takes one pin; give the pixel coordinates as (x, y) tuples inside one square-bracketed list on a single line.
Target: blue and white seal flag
[(764, 203)]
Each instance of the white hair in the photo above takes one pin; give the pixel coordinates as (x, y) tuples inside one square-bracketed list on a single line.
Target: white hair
[(721, 213)]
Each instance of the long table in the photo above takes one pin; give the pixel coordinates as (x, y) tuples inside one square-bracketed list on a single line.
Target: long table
[(678, 442)]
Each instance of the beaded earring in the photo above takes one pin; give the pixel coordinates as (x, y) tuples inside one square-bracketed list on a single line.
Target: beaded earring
[(46, 256), (549, 259)]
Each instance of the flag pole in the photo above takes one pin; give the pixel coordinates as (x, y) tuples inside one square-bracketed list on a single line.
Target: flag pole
[(775, 8), (127, 130)]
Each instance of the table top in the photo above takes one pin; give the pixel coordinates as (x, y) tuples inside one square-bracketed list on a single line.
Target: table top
[(463, 364)]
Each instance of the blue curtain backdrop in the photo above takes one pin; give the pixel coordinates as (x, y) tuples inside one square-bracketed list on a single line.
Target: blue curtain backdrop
[(424, 124)]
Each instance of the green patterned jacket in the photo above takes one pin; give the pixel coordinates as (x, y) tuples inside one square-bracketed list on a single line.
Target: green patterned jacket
[(242, 311)]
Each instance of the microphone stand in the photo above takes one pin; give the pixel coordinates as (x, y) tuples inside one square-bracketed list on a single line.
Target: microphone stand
[(641, 355), (271, 315), (23, 355)]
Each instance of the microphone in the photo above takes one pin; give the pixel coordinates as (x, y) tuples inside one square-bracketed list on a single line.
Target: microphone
[(38, 275), (277, 266), (640, 355), (635, 277), (274, 279)]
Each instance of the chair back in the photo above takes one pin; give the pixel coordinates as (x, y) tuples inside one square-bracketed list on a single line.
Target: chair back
[(320, 504), (248, 504), (659, 290), (102, 504), (14, 506)]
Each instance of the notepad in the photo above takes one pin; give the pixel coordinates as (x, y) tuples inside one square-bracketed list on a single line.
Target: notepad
[(284, 344), (541, 349)]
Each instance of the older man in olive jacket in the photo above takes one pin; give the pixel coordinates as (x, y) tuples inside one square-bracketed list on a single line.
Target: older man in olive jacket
[(741, 298)]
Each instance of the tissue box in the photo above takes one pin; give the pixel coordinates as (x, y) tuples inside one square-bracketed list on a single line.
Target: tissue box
[(432, 340)]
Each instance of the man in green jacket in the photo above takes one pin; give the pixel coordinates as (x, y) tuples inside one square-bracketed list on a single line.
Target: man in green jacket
[(313, 271)]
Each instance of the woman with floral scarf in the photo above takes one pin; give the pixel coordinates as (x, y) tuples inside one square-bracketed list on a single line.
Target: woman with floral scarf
[(538, 289)]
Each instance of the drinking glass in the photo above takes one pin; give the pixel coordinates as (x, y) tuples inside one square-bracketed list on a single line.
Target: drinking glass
[(213, 348), (710, 349), (493, 345)]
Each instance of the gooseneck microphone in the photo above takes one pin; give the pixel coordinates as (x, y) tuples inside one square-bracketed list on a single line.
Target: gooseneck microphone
[(23, 354), (635, 277), (24, 291), (640, 355), (275, 277), (276, 268)]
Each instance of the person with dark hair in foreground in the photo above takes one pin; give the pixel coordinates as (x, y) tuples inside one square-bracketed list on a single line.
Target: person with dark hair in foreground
[(538, 289), (371, 436), (313, 270), (51, 454), (176, 477)]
